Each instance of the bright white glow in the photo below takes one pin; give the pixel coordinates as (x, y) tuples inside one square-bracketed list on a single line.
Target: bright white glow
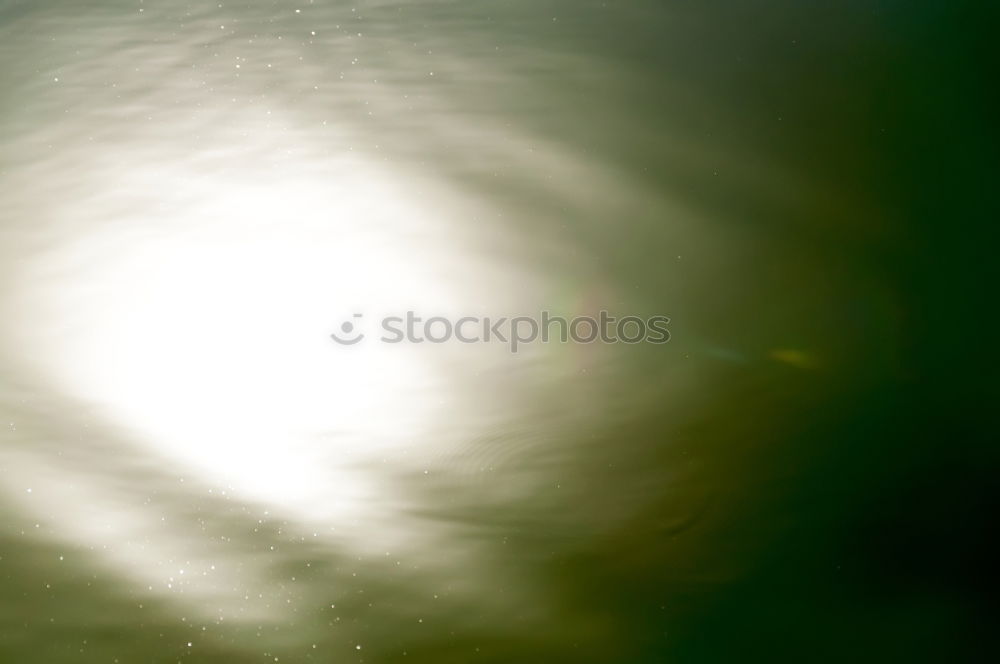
[(200, 325)]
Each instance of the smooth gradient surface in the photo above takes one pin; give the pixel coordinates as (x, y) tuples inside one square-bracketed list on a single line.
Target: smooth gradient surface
[(194, 196)]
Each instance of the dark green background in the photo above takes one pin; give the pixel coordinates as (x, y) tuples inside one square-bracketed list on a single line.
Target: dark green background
[(840, 158)]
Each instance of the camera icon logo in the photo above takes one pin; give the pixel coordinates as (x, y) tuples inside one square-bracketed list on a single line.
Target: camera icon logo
[(347, 328)]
